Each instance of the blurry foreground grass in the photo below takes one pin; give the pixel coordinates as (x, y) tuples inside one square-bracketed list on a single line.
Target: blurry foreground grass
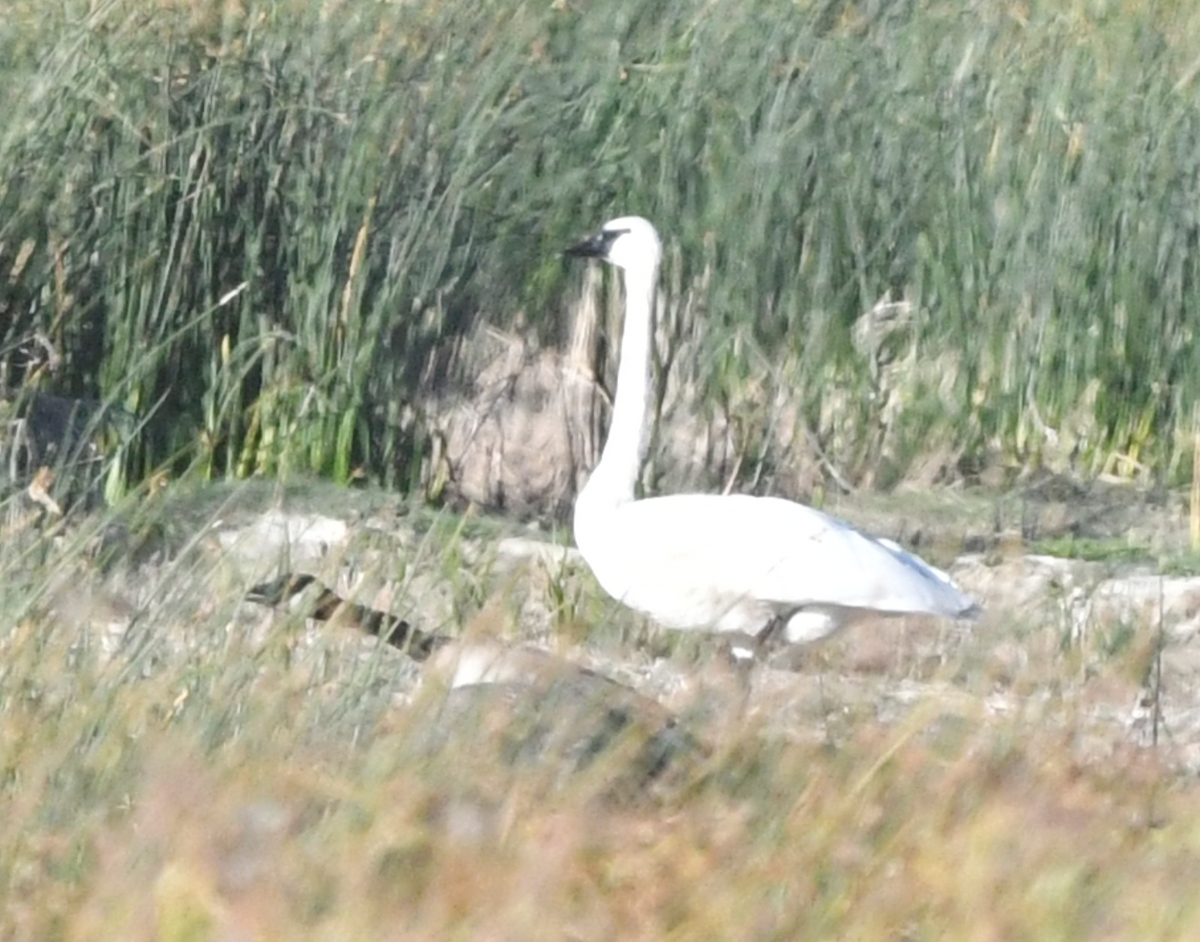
[(888, 835), (255, 236), (200, 782)]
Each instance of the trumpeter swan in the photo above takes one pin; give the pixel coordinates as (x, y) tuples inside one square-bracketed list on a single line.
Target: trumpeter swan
[(524, 702), (732, 563), (568, 724), (451, 664), (319, 602)]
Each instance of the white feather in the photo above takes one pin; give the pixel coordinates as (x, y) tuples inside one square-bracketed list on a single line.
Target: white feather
[(725, 563)]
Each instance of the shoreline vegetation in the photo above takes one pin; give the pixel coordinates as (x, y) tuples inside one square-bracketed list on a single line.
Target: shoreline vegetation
[(910, 247), (904, 241)]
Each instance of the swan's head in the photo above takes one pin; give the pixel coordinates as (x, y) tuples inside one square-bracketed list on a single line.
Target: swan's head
[(629, 242), (295, 592)]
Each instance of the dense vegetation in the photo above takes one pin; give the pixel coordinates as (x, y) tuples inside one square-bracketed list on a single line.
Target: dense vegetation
[(251, 229), (249, 225), (205, 772)]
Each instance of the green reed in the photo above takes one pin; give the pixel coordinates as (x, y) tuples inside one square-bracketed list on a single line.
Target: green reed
[(259, 229)]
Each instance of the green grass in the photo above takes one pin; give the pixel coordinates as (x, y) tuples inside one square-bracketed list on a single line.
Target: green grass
[(1092, 550), (254, 229), (252, 225)]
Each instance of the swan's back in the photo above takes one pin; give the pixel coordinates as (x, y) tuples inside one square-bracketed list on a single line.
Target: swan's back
[(525, 706), (733, 563)]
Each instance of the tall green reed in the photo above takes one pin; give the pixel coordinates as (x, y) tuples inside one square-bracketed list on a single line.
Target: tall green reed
[(261, 233)]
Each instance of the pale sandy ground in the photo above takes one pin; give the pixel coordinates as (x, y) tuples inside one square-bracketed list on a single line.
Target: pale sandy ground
[(1063, 643)]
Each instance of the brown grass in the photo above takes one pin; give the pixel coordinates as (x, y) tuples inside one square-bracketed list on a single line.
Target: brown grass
[(129, 825), (229, 776)]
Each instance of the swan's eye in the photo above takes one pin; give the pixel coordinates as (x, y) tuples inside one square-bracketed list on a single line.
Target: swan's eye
[(599, 245), (608, 237)]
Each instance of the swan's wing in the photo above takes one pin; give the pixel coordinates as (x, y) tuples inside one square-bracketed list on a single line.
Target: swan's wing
[(772, 550)]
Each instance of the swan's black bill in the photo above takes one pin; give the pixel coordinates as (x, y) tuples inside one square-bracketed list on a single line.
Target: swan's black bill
[(279, 590), (597, 246)]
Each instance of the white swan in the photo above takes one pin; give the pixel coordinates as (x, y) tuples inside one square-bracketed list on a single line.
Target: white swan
[(724, 563), (511, 701)]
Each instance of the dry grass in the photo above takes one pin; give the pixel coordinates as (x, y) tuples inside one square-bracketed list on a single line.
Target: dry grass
[(205, 782), (999, 834), (199, 786)]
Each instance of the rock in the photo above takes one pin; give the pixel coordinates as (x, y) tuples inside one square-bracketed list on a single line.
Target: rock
[(301, 540)]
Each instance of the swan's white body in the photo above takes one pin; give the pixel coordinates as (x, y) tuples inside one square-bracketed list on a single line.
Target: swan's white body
[(724, 563)]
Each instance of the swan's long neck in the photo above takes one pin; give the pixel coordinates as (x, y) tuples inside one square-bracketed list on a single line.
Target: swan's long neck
[(617, 473)]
